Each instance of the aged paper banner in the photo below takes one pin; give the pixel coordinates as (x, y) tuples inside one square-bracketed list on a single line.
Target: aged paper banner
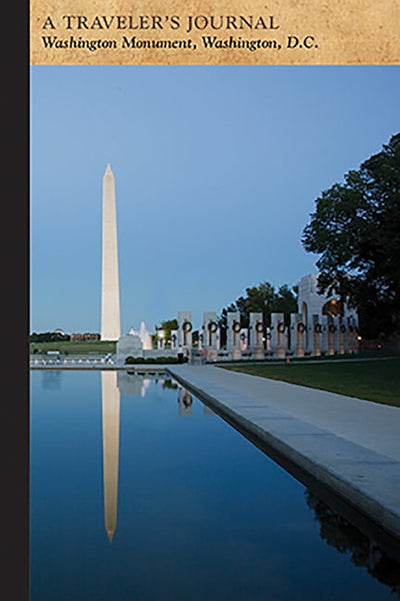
[(94, 32)]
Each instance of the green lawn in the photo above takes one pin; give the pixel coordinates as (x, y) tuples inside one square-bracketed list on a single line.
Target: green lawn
[(74, 348), (377, 381)]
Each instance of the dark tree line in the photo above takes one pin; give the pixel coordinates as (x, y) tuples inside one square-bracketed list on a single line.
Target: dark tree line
[(362, 551), (48, 337)]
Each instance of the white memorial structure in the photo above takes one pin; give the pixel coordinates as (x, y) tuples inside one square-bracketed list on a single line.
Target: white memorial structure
[(321, 326), (329, 327), (129, 345)]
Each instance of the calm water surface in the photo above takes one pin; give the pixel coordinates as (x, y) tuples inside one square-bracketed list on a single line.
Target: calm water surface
[(139, 492)]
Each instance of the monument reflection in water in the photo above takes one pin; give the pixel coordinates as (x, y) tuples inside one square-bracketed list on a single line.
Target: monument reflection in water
[(139, 491), (112, 384), (111, 401)]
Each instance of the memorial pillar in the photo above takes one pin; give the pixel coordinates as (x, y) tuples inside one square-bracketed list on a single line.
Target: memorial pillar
[(344, 335), (278, 335), (210, 334), (160, 340), (331, 336), (324, 335), (233, 343), (185, 329), (353, 329), (336, 336), (315, 336), (298, 331), (268, 337), (256, 334), (244, 339), (174, 339)]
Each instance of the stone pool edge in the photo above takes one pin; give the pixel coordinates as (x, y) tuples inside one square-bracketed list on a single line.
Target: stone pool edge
[(375, 493)]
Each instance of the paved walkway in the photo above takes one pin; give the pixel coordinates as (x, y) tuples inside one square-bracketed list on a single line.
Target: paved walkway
[(351, 445)]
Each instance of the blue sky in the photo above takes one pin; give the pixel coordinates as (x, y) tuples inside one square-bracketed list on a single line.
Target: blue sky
[(217, 170)]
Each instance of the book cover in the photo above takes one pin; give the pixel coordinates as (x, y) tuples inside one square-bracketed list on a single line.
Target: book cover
[(212, 127)]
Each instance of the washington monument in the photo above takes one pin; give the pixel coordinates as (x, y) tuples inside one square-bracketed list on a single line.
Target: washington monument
[(110, 313)]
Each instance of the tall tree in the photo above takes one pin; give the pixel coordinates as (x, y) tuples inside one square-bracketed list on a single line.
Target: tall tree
[(262, 299), (356, 230), (167, 326)]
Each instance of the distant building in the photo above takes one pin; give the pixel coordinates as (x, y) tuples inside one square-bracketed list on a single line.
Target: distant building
[(59, 331), (86, 336)]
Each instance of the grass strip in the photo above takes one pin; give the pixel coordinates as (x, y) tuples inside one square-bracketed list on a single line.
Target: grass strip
[(377, 381)]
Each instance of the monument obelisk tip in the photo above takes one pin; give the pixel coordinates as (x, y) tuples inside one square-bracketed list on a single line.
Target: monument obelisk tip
[(108, 170)]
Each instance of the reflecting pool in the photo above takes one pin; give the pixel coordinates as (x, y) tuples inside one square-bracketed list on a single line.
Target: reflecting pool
[(140, 492)]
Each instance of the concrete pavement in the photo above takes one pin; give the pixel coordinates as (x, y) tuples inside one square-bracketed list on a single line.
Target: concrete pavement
[(350, 445)]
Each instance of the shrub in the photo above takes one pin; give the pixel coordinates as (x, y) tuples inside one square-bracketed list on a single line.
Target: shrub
[(152, 360)]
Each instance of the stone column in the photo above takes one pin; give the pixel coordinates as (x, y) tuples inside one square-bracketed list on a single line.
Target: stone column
[(185, 328), (353, 331), (337, 342), (291, 334), (278, 332), (174, 339), (298, 331), (256, 334), (233, 334), (210, 329), (336, 334), (268, 338), (309, 336), (344, 335), (331, 336), (315, 336), (201, 338), (161, 340), (218, 336), (244, 339), (210, 334), (324, 336)]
